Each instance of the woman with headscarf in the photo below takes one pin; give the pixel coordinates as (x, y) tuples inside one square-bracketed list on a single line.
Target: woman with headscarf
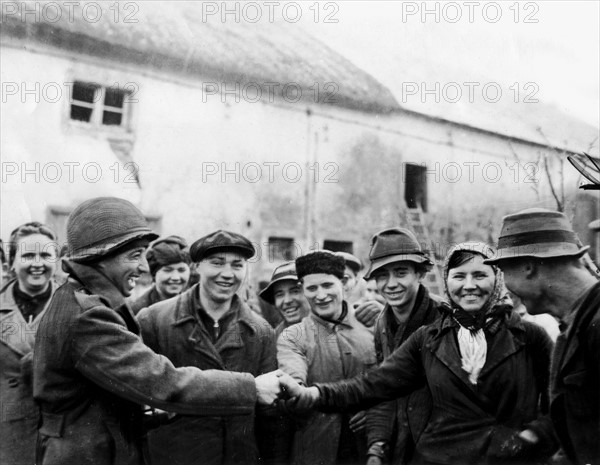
[(32, 257), (169, 263), (487, 371)]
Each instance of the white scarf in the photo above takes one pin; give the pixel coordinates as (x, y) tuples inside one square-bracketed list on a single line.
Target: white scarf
[(473, 352)]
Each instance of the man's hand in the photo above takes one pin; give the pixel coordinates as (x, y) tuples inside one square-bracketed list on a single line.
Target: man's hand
[(267, 387), (529, 436), (358, 422), (374, 460), (289, 385), (305, 398), (367, 312)]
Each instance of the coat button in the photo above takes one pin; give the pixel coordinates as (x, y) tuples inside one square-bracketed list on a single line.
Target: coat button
[(13, 382)]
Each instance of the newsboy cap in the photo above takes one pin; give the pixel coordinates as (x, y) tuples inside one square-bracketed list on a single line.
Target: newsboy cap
[(221, 241), (285, 272), (167, 251), (99, 226), (395, 245), (323, 261), (538, 233), (352, 261)]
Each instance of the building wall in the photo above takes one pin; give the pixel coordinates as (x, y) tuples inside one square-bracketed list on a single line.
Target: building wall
[(299, 170)]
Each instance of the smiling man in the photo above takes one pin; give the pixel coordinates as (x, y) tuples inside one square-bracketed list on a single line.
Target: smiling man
[(328, 345), (398, 266), (284, 292), (92, 372), (210, 327)]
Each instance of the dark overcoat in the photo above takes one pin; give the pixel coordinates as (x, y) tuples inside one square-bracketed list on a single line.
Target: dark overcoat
[(172, 328), (469, 424), (575, 395), (19, 414), (92, 373), (399, 423)]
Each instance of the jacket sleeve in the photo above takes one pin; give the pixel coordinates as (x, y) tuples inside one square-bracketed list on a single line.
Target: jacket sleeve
[(399, 375), (147, 323), (117, 360), (272, 427), (290, 354), (380, 419)]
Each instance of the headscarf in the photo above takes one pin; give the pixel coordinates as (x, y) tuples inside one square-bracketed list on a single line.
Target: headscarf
[(473, 326)]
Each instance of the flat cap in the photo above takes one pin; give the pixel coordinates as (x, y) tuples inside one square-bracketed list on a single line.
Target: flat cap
[(221, 241), (352, 261)]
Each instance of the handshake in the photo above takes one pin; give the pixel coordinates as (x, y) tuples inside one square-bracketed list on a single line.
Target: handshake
[(278, 385)]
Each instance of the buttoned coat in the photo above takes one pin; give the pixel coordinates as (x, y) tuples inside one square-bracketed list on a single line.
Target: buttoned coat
[(575, 394), (469, 424), (399, 423), (92, 373), (19, 414), (172, 328), (316, 350)]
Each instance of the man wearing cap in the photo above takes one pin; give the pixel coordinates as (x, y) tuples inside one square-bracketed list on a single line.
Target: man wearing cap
[(169, 263), (365, 310), (92, 372), (398, 265), (541, 257), (328, 345), (284, 292), (210, 327)]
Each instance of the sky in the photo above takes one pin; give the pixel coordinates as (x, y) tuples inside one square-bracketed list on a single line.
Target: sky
[(550, 49)]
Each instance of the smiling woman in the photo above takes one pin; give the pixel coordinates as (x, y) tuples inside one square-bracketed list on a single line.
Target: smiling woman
[(32, 256)]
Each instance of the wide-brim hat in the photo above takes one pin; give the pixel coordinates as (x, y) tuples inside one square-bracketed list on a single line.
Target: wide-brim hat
[(395, 245), (285, 272), (537, 233)]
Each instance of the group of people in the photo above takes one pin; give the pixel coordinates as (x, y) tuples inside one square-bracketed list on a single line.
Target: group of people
[(189, 373)]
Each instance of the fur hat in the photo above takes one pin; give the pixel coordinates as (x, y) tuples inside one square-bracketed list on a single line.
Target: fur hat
[(320, 262)]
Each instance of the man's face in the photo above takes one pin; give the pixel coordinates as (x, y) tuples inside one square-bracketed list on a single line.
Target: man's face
[(172, 279), (35, 262), (126, 268), (221, 275), (372, 292), (324, 293), (289, 300), (398, 283), (516, 281), (348, 282)]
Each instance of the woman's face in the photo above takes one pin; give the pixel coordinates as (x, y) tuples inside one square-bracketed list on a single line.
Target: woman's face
[(471, 284), (35, 262)]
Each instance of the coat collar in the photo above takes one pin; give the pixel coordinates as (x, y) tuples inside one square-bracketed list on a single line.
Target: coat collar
[(15, 332), (95, 282), (185, 311), (346, 322), (507, 341)]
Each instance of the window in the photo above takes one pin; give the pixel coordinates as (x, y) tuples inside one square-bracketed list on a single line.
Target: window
[(281, 248), (98, 105), (415, 186), (338, 246)]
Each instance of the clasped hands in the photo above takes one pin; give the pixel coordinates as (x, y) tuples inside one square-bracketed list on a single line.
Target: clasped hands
[(278, 385)]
